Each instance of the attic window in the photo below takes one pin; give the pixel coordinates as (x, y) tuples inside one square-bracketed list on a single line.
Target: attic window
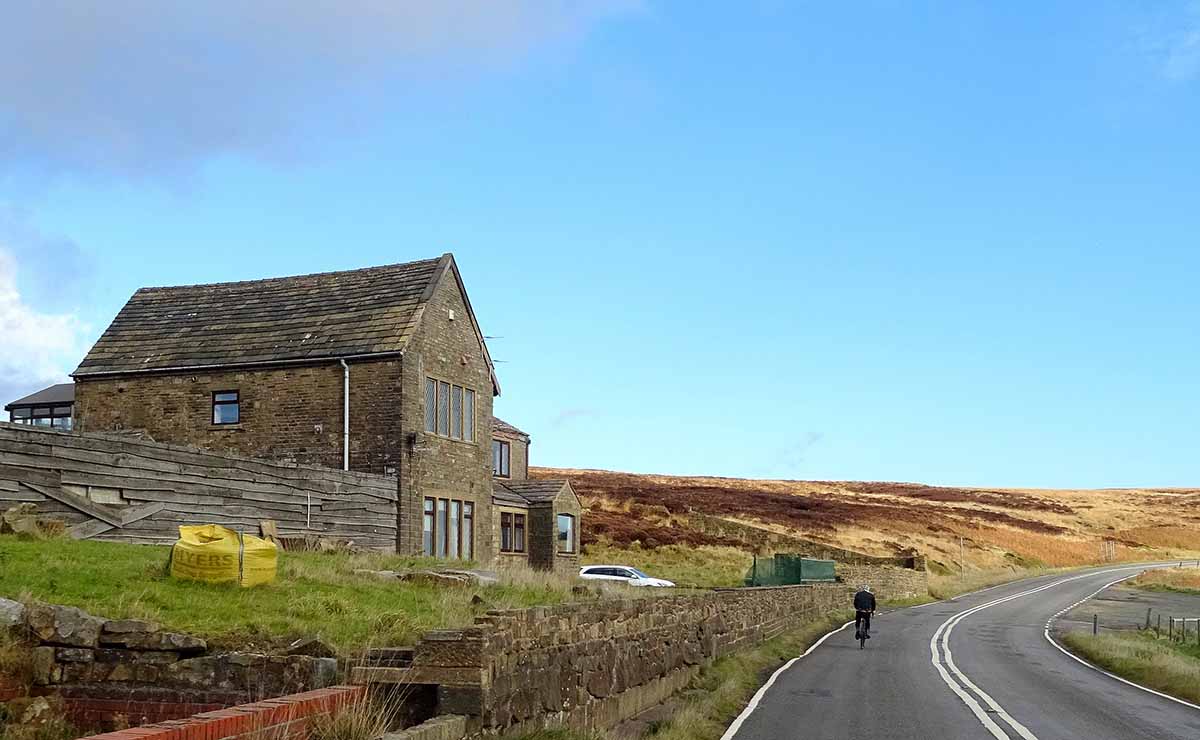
[(226, 407)]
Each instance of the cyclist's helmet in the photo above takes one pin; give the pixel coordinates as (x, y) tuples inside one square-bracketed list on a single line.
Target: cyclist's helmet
[(865, 587)]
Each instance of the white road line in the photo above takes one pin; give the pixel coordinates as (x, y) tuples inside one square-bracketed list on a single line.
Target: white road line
[(942, 664), (758, 696), (1097, 668)]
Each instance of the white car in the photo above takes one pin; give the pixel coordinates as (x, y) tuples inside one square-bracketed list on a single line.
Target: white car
[(622, 573)]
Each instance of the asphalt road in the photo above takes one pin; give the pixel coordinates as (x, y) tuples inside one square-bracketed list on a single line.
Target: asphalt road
[(1001, 679)]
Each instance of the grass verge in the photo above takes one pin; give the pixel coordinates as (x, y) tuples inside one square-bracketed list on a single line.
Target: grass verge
[(1170, 667), (314, 594), (1184, 580), (723, 689)]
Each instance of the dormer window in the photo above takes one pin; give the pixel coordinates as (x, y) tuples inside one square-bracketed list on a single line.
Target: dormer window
[(501, 453)]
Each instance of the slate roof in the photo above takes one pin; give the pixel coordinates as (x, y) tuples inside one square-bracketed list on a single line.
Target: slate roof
[(499, 425), (536, 491), (506, 497), (55, 395), (326, 315)]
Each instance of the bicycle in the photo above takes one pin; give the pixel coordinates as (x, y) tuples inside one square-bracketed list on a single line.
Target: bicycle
[(862, 630)]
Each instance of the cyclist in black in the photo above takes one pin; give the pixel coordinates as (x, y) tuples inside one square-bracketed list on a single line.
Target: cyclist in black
[(864, 606)]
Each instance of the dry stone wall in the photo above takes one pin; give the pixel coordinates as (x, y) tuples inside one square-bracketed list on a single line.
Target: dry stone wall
[(105, 667), (593, 664), (897, 583)]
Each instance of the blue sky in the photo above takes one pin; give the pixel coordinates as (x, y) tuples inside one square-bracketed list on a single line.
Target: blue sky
[(950, 243)]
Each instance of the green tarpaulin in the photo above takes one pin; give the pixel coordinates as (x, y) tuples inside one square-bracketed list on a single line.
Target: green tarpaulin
[(786, 570)]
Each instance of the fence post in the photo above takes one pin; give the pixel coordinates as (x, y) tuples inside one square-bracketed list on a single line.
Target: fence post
[(1148, 619), (1170, 628), (1158, 627), (1095, 624)]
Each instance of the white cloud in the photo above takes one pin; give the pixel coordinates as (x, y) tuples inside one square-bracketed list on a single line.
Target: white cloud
[(137, 86), (36, 349)]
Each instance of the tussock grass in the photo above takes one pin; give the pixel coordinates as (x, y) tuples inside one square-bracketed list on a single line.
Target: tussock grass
[(703, 566), (16, 658), (1180, 580), (1170, 667), (314, 594)]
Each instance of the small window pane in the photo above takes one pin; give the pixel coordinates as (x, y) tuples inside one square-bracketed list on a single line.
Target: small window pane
[(500, 452), (427, 530), (455, 526), (225, 396), (456, 401), (20, 413), (430, 405), (68, 423), (443, 409), (505, 532), (469, 415), (468, 531), (441, 527), (519, 533), (566, 533), (225, 413)]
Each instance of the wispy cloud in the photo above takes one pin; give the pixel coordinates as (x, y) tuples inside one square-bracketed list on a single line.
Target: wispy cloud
[(1171, 39), (140, 86), (566, 417), (791, 461)]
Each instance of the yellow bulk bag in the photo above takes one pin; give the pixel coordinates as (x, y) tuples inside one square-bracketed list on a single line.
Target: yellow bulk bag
[(217, 554)]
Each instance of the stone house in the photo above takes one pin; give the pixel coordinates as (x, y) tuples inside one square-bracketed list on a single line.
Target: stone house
[(382, 370), (535, 520)]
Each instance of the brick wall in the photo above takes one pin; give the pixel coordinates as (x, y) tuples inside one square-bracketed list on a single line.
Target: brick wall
[(282, 718)]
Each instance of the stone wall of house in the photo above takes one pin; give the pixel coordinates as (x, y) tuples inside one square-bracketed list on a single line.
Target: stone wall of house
[(447, 350), (130, 490), (287, 414), (102, 668), (543, 538)]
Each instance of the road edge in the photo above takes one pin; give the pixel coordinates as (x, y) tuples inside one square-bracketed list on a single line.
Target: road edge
[(1084, 662)]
